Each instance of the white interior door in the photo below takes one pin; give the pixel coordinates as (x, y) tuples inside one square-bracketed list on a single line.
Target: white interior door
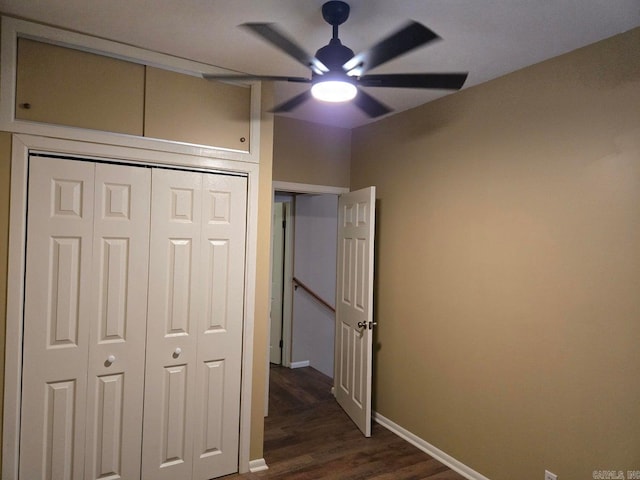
[(354, 305), (194, 333), (85, 301)]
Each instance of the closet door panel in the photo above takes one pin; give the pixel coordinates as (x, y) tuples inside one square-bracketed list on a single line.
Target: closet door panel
[(222, 256), (118, 321), (57, 306), (173, 310)]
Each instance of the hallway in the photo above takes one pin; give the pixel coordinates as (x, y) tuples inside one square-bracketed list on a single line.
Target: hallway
[(308, 436)]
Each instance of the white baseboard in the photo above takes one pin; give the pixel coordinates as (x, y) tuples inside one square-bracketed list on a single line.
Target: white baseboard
[(258, 465), (429, 449), (302, 364)]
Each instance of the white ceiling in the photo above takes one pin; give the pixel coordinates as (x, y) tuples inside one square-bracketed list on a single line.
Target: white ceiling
[(487, 38)]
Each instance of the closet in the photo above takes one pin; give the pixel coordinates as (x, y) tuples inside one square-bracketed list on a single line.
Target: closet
[(133, 321)]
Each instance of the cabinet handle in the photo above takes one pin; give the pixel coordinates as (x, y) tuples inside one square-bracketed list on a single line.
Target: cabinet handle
[(242, 139), (177, 352), (111, 359), (26, 106)]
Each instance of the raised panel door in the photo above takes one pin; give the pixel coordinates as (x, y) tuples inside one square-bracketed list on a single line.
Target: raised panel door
[(354, 305), (118, 324), (219, 355), (194, 334), (56, 333), (172, 328)]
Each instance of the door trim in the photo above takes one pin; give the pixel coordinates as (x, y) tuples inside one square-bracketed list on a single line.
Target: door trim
[(290, 187), (21, 146)]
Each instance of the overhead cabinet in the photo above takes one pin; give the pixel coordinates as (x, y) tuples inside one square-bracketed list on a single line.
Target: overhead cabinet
[(70, 87), (65, 86), (133, 322), (190, 109)]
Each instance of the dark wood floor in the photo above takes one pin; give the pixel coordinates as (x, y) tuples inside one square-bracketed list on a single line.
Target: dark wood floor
[(309, 437)]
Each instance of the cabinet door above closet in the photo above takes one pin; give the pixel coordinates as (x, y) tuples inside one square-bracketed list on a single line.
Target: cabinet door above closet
[(190, 109), (70, 87)]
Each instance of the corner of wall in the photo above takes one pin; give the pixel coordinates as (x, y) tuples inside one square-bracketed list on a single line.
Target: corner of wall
[(5, 183), (263, 256)]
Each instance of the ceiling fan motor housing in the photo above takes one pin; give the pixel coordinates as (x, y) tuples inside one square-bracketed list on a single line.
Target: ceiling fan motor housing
[(334, 55)]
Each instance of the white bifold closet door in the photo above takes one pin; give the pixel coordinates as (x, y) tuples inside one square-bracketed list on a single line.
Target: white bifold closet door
[(85, 320), (194, 337), (134, 297)]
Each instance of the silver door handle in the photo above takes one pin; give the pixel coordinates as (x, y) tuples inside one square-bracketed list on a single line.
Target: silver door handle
[(370, 325)]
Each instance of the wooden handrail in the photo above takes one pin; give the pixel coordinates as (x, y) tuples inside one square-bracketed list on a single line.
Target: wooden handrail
[(297, 283)]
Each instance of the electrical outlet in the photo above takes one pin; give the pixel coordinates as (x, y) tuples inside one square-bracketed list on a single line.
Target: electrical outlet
[(550, 476)]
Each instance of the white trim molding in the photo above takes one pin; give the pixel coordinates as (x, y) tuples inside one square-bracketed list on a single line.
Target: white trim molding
[(429, 449), (258, 465), (291, 187), (301, 364)]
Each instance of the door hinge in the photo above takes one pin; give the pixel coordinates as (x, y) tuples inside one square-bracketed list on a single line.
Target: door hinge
[(281, 344), (284, 224)]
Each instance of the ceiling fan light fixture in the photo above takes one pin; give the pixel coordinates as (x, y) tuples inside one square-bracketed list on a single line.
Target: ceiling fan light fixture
[(334, 91)]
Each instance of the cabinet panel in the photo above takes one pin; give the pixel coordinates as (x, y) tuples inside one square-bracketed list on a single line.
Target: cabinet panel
[(69, 87), (189, 109)]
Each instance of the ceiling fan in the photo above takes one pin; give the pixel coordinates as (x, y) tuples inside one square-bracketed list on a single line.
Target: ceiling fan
[(336, 73)]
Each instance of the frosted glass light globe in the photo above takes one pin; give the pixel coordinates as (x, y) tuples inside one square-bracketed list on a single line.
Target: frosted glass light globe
[(334, 91)]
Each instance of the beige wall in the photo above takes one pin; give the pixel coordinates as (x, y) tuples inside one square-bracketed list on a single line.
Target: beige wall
[(508, 267), (263, 275), (5, 167), (311, 153)]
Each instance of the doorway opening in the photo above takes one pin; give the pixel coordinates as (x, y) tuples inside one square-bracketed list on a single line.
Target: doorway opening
[(303, 281), (332, 234)]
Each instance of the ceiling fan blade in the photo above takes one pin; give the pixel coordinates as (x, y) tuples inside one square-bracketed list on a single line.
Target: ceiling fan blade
[(412, 35), (239, 77), (292, 103), (275, 37), (445, 81), (369, 105)]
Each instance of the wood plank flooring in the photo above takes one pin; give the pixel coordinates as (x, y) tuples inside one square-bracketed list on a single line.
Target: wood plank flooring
[(309, 437)]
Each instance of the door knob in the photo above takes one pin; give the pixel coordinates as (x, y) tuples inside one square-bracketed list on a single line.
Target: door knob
[(111, 359), (367, 324), (177, 352)]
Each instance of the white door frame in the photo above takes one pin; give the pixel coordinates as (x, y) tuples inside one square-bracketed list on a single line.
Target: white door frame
[(287, 285), (22, 145)]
